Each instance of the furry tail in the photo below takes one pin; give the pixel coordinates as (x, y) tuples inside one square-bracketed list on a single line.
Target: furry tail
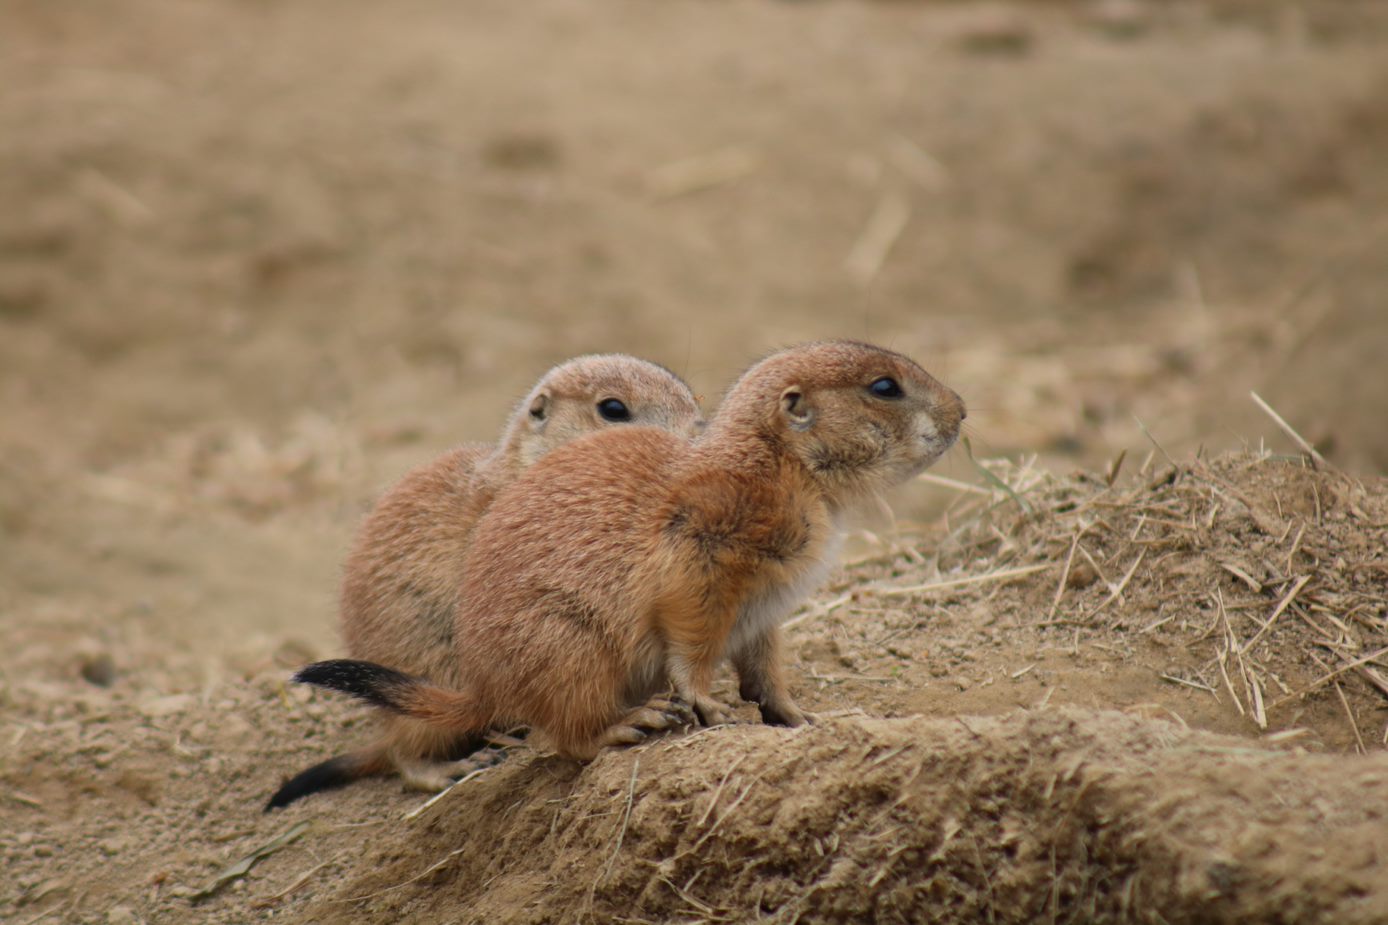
[(330, 774), (397, 692), (406, 695)]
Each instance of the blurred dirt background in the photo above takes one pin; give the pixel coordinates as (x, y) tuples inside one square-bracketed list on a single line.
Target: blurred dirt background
[(259, 258)]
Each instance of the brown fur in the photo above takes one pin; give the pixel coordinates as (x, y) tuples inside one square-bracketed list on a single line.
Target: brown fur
[(631, 560), (400, 585)]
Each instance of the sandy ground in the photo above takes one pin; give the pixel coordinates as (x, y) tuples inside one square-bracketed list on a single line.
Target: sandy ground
[(258, 259)]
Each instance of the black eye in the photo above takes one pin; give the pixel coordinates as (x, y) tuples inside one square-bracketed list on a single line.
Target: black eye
[(612, 409), (886, 387)]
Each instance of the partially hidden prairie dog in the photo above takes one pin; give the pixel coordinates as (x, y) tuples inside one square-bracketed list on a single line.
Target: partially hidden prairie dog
[(401, 579), (630, 561)]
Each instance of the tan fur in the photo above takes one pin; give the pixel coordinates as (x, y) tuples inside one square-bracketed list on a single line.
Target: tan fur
[(630, 560), (400, 585)]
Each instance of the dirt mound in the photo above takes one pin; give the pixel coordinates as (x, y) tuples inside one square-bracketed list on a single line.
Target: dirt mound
[(1259, 576), (1264, 578), (259, 259), (1242, 594), (1056, 815), (1248, 581)]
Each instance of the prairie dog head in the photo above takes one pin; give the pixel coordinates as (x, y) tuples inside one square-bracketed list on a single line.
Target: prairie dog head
[(589, 393), (859, 418)]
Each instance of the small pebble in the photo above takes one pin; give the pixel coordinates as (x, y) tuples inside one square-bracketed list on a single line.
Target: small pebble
[(1082, 575), (99, 669), (998, 32), (112, 846)]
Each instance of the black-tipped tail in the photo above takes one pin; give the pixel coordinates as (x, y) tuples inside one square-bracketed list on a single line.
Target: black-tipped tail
[(456, 712), (375, 684), (329, 775)]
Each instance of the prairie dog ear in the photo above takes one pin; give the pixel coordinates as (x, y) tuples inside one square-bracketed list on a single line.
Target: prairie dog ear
[(539, 411), (796, 409)]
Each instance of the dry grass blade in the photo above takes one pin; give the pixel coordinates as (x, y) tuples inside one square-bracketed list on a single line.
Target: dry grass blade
[(1065, 574), (713, 803), (1253, 584), (1117, 590), (710, 913), (701, 172), (121, 203), (437, 865), (1317, 459), (1098, 569), (1374, 678), (296, 884), (1111, 474), (1157, 624), (626, 820), (1159, 448), (727, 813), (1282, 605), (1286, 735), (1331, 676), (1349, 715), (443, 793), (874, 245), (954, 484), (820, 610), (992, 479), (1255, 689), (916, 164), (737, 801), (1004, 575), (243, 866), (1251, 684), (39, 917), (1221, 656)]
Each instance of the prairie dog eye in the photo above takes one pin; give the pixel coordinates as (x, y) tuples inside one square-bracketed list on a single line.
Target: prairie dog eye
[(613, 409), (886, 387)]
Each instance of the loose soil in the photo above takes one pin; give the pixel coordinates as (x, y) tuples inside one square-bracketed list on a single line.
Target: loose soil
[(258, 259)]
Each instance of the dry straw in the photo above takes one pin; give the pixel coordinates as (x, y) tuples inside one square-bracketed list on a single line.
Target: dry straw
[(1272, 556)]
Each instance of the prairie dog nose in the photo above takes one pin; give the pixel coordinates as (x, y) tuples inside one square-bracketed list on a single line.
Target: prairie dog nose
[(950, 412)]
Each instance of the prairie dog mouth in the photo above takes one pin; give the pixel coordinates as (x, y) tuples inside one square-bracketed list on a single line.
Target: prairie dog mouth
[(935, 438)]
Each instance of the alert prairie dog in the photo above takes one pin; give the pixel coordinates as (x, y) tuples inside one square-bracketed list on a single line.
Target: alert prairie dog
[(630, 561), (400, 582)]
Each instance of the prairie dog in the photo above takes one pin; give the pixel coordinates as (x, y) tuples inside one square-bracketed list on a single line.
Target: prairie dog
[(400, 583), (631, 561), (401, 579)]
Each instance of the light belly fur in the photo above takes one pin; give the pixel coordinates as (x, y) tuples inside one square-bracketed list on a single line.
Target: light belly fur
[(760, 614)]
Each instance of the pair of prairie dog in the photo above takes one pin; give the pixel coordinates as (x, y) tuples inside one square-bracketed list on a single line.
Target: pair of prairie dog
[(400, 583), (632, 561)]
